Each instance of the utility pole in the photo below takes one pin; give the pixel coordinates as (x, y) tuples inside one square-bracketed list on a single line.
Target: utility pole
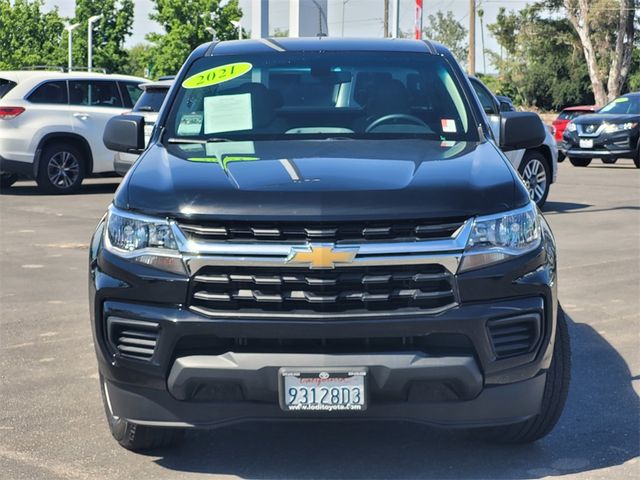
[(472, 38), (386, 18), (484, 56)]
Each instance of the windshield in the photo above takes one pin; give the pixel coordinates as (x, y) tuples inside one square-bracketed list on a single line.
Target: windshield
[(151, 100), (292, 95), (622, 105)]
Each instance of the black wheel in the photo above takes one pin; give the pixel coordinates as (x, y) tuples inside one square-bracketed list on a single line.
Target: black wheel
[(580, 162), (137, 437), (61, 169), (561, 157), (7, 179), (536, 174), (553, 400), (609, 161), (636, 159)]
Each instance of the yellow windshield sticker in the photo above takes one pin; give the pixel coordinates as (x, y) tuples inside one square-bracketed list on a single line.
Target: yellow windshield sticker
[(226, 160), (217, 75), (621, 100)]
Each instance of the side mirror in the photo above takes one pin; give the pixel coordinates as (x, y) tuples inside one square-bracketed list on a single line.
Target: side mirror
[(125, 133), (505, 106), (521, 130)]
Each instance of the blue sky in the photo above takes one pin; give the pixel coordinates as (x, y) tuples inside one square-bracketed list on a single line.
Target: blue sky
[(362, 17)]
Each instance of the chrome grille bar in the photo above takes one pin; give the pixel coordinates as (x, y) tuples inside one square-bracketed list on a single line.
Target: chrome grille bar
[(445, 252)]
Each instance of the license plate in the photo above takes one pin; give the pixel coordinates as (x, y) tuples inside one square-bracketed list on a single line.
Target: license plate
[(328, 390), (586, 143)]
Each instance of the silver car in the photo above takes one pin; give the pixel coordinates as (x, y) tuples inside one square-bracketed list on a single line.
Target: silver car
[(538, 166), (147, 106)]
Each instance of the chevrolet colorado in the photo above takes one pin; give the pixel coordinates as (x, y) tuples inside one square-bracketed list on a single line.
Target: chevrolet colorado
[(325, 228)]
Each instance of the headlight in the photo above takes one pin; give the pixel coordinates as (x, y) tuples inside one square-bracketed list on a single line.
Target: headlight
[(571, 127), (503, 236), (143, 239), (619, 127)]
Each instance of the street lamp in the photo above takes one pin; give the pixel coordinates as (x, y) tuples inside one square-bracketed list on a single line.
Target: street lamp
[(321, 14), (92, 20), (208, 16), (69, 29), (344, 2), (236, 23)]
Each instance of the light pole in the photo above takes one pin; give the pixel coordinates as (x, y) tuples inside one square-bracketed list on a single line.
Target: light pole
[(69, 29), (321, 14), (92, 20), (236, 23), (344, 2), (208, 17)]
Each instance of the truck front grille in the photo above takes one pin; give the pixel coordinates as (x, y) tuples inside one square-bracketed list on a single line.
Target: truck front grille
[(409, 230), (299, 291)]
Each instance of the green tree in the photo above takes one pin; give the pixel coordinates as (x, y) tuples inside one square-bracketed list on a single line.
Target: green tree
[(607, 34), (29, 36), (445, 29), (541, 62), (140, 60), (185, 25), (109, 33)]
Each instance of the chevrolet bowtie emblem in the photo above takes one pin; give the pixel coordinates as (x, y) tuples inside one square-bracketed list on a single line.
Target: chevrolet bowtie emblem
[(321, 256)]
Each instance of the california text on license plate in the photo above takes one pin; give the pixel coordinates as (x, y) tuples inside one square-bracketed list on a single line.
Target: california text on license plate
[(330, 390)]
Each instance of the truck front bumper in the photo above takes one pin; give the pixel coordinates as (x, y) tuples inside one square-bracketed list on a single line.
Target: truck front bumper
[(442, 369)]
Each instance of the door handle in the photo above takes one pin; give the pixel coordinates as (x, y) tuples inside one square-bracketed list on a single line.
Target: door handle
[(81, 115)]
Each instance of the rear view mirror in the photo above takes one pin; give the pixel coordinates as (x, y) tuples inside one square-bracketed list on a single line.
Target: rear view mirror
[(125, 133), (520, 130)]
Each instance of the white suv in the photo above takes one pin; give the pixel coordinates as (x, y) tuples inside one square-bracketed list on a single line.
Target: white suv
[(538, 166), (51, 125)]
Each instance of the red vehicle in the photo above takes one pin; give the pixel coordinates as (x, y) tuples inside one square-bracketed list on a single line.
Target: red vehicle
[(566, 115)]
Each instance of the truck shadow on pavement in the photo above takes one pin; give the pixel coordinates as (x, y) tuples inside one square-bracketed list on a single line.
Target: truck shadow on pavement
[(599, 428)]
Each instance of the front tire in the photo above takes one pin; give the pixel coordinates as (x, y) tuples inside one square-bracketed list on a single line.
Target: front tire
[(536, 174), (580, 162), (136, 437), (609, 161), (7, 179), (636, 159), (61, 169), (553, 400)]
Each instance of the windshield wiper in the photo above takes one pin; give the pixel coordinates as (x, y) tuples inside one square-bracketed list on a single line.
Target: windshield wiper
[(196, 140)]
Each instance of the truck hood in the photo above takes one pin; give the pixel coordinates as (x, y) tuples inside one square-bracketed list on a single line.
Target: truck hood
[(322, 180)]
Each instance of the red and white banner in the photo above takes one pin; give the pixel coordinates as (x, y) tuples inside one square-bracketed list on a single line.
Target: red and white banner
[(418, 22)]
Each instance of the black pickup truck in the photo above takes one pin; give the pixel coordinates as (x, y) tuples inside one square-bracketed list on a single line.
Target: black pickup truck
[(325, 228)]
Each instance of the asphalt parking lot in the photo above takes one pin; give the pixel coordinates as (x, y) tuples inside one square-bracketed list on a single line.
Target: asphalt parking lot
[(52, 424)]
